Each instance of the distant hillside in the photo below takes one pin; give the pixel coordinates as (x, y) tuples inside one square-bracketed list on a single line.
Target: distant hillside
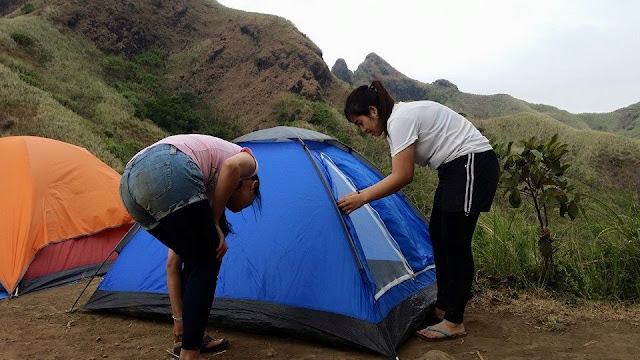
[(623, 121), (341, 71), (443, 91), (597, 158), (236, 60), (123, 73)]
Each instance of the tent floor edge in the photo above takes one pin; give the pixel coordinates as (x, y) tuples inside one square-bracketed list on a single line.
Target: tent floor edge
[(142, 305), (64, 277), (312, 325), (280, 320), (407, 317)]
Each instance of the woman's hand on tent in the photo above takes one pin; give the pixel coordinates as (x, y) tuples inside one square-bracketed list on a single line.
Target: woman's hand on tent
[(351, 202), (222, 246)]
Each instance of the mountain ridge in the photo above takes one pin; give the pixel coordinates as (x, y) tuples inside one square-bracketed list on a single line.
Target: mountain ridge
[(624, 121)]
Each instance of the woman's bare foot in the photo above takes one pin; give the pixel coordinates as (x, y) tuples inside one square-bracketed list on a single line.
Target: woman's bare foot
[(213, 343), (442, 330), (191, 355), (209, 344)]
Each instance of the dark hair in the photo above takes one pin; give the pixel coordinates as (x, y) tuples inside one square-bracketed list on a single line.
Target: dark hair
[(257, 201), (225, 225), (364, 96)]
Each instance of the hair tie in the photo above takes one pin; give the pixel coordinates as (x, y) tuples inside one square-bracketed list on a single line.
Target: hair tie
[(372, 87)]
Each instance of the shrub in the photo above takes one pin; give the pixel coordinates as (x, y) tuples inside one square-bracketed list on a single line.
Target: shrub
[(116, 68), (123, 151), (173, 113), (22, 39), (537, 173), (155, 59), (27, 8)]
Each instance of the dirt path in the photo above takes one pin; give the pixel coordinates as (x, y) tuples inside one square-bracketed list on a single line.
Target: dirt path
[(36, 326)]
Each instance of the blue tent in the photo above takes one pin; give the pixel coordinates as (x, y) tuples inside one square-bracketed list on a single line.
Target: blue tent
[(301, 266)]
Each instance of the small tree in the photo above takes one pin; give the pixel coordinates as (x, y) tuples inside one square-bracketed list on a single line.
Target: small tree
[(537, 173)]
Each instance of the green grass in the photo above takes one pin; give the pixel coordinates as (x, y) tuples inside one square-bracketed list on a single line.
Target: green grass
[(56, 89), (597, 255), (505, 245), (598, 159), (33, 112), (294, 110)]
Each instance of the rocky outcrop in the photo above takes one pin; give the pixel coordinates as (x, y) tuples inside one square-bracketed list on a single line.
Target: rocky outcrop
[(341, 71), (443, 83)]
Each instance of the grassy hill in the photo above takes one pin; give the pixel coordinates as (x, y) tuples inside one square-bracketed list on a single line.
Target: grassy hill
[(114, 76), (598, 159), (52, 86)]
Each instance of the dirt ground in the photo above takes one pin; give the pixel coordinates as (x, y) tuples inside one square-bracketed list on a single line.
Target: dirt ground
[(500, 326)]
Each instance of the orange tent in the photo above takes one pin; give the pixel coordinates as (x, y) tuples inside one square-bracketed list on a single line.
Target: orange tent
[(60, 212)]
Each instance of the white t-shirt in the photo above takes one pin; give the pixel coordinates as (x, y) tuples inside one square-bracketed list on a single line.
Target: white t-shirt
[(440, 133)]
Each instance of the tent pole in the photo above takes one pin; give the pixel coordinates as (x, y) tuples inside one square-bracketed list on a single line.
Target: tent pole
[(335, 204), (70, 310), (121, 244)]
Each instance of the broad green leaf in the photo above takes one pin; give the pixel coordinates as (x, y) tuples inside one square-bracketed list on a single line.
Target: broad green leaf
[(573, 210), (563, 209), (515, 199)]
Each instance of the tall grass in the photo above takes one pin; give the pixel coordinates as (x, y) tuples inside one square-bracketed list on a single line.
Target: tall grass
[(597, 256), (599, 160), (603, 256), (504, 246), (53, 86)]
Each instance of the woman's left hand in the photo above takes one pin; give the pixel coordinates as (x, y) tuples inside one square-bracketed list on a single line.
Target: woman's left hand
[(351, 202), (222, 246)]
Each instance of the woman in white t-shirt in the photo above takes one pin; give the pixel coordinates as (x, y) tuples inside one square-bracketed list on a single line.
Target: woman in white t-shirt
[(430, 134)]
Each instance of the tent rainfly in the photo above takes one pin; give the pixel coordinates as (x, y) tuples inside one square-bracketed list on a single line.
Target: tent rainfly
[(60, 213)]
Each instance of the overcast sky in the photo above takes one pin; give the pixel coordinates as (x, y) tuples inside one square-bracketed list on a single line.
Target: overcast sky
[(577, 55)]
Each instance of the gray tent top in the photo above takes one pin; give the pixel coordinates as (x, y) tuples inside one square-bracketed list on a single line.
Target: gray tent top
[(282, 133)]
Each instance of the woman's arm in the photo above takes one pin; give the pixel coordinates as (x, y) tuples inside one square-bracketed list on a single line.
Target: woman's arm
[(401, 174), (238, 166), (174, 285)]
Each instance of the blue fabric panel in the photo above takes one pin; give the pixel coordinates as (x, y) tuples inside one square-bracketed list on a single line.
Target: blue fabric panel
[(406, 227), (140, 267), (374, 238), (366, 222), (368, 280), (3, 294), (296, 251)]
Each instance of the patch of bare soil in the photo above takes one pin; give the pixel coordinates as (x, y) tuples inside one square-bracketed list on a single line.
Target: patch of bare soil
[(500, 326)]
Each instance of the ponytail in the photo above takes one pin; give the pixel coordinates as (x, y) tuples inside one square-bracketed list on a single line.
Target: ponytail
[(364, 96)]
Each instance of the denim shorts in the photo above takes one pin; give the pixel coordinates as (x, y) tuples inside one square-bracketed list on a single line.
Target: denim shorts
[(158, 182)]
